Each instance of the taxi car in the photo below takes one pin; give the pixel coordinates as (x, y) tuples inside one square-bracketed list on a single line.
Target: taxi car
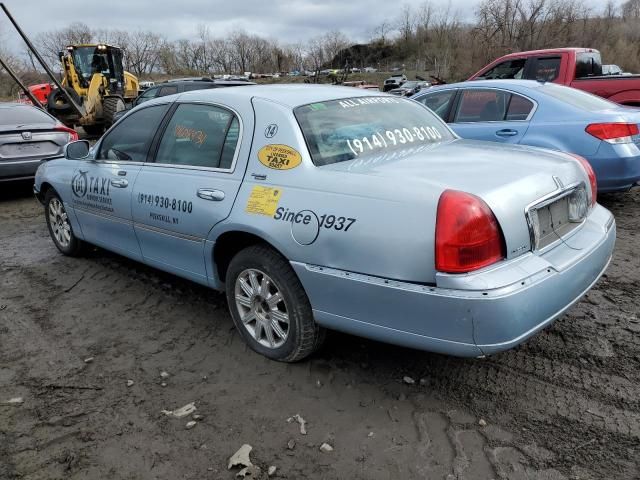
[(319, 207)]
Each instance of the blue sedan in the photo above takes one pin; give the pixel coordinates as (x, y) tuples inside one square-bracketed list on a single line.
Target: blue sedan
[(546, 115)]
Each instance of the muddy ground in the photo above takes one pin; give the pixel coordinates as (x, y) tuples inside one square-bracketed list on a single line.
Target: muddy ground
[(566, 405)]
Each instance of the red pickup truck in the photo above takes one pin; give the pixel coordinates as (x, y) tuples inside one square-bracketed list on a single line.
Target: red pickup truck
[(579, 68)]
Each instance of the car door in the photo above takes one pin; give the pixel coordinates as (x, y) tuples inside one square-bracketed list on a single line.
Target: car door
[(190, 186), (491, 114), (102, 185)]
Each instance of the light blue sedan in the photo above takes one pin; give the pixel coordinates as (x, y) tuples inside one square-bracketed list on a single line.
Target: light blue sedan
[(319, 207), (546, 115)]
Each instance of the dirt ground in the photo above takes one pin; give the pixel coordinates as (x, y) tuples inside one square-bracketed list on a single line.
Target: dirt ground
[(566, 405)]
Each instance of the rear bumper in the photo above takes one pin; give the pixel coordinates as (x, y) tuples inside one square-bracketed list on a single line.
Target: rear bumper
[(617, 167), (18, 169), (496, 310)]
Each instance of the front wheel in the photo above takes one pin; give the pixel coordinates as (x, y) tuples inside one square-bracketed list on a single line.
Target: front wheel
[(269, 307), (59, 225)]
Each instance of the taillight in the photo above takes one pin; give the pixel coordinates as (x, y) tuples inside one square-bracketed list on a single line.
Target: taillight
[(468, 236), (592, 177), (73, 135), (613, 132)]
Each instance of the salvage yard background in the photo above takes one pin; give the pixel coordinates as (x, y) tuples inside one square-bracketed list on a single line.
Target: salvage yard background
[(428, 37), (565, 405)]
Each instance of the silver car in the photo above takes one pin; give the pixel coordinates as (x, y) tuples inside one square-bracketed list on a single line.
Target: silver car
[(27, 135), (319, 207)]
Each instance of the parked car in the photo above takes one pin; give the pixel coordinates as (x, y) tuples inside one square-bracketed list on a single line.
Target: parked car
[(394, 81), (546, 115), (369, 70), (319, 207), (361, 84), (146, 84), (410, 87), (28, 135), (171, 87), (580, 68)]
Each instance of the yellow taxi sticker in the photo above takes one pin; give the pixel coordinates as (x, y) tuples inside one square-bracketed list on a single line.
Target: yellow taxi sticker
[(263, 200), (279, 157)]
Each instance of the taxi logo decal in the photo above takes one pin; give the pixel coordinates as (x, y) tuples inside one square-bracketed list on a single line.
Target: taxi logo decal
[(279, 157)]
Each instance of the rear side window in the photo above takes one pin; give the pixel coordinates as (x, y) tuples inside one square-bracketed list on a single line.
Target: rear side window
[(168, 90), (509, 69), (198, 86), (131, 138), (546, 69), (519, 108), (588, 64), (200, 136), (439, 103), (477, 105), (24, 116)]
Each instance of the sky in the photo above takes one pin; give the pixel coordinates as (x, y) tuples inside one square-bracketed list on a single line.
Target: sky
[(288, 21)]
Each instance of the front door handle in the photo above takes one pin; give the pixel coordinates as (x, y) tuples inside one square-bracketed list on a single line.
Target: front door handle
[(210, 194), (120, 183), (507, 132)]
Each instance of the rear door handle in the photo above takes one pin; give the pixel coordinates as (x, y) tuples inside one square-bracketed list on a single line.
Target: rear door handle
[(210, 194), (507, 132), (120, 183)]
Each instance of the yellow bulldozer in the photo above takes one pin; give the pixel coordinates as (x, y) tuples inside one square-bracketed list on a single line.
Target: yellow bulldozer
[(93, 88)]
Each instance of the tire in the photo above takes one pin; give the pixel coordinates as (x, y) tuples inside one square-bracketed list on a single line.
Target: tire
[(110, 106), (59, 226), (57, 102), (302, 335)]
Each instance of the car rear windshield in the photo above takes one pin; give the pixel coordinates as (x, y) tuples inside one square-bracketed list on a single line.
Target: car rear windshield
[(341, 130), (577, 98), (24, 116)]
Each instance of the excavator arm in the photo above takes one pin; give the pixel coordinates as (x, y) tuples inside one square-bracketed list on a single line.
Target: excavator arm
[(77, 107)]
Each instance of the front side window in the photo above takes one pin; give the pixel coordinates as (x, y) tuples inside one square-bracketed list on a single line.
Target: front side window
[(131, 138), (341, 130), (509, 69), (478, 105), (200, 136), (439, 103)]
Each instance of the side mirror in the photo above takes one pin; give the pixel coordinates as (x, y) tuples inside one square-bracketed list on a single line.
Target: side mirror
[(77, 150)]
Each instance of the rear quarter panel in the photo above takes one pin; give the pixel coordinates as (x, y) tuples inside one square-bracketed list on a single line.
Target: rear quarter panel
[(331, 218), (623, 90)]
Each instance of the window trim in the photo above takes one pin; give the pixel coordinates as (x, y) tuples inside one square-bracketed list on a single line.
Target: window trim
[(149, 150), (510, 92), (155, 145)]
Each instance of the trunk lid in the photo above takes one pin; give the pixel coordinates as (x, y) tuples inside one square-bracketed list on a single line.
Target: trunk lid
[(508, 178)]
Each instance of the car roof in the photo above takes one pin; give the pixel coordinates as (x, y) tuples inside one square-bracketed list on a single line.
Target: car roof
[(14, 105), (291, 95), (551, 51), (508, 84)]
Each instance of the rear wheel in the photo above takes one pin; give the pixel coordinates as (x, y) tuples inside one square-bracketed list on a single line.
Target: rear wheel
[(269, 307), (110, 106), (59, 225)]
